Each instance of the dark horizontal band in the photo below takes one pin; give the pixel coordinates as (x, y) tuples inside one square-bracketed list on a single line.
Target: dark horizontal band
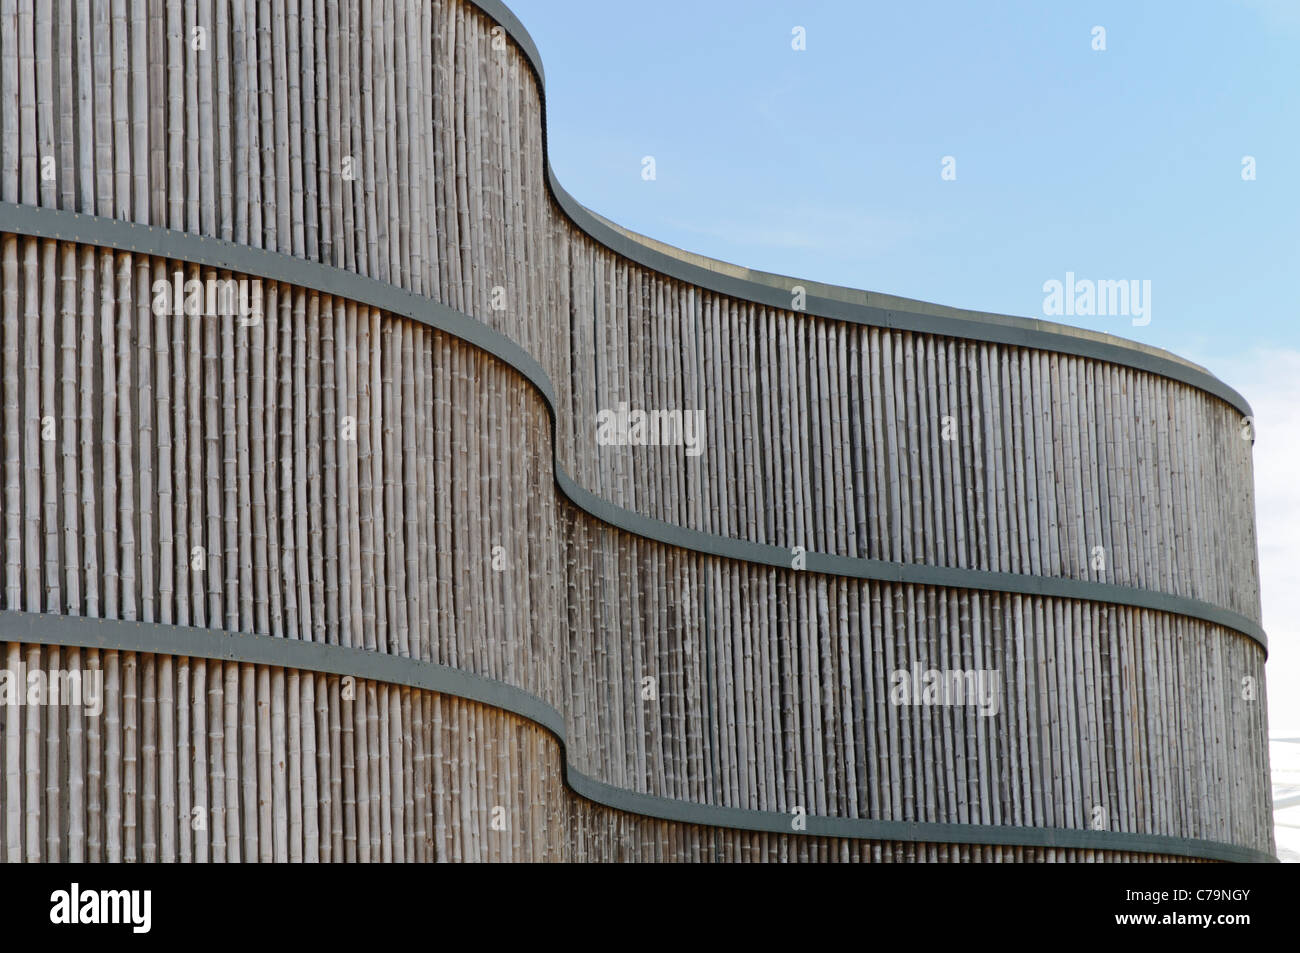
[(217, 645), (915, 574), (274, 266)]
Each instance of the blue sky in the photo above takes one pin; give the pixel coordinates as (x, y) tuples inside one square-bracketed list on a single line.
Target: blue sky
[(825, 164)]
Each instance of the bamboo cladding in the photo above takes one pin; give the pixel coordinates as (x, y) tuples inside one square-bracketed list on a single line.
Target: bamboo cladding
[(330, 472), (204, 472), (778, 690), (211, 761), (831, 437), (915, 448)]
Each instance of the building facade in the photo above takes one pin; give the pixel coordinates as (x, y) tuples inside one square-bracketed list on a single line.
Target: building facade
[(367, 498)]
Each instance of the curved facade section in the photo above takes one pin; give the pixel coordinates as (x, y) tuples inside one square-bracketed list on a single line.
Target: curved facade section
[(367, 749), (292, 153), (386, 775), (372, 465)]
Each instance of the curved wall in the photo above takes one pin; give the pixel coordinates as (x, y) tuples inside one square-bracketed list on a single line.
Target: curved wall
[(375, 465)]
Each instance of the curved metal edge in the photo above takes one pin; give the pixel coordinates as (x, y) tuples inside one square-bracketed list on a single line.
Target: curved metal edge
[(997, 329), (53, 224), (115, 635), (917, 574)]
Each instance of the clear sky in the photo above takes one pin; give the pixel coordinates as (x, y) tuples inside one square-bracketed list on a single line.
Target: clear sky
[(826, 163), (1124, 163)]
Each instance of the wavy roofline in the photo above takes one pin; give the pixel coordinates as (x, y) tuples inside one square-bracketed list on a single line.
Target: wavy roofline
[(842, 303)]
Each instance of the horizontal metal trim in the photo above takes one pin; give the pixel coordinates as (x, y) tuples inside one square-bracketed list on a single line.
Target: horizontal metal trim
[(217, 645), (976, 326), (916, 574), (175, 245)]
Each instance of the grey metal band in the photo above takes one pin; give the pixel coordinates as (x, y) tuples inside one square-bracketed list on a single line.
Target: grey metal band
[(916, 574), (217, 645), (837, 302), (216, 253)]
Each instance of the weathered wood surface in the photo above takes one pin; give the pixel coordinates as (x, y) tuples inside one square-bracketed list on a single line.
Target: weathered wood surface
[(397, 774), (394, 140)]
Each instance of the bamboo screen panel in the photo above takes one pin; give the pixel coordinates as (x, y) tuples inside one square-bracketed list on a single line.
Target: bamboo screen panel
[(338, 474)]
